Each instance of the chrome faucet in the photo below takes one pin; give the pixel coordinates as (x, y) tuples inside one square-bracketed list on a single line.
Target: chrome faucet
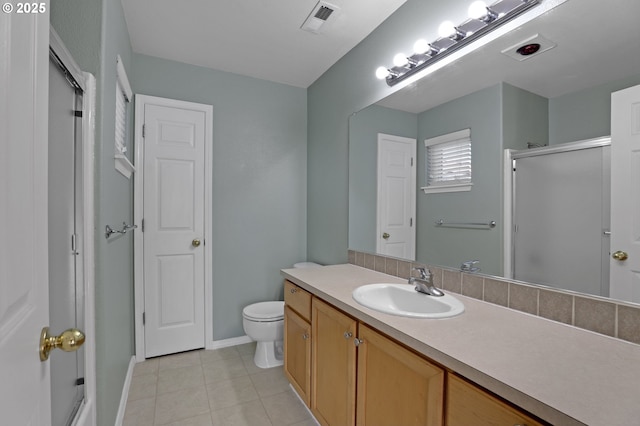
[(470, 266), (423, 284)]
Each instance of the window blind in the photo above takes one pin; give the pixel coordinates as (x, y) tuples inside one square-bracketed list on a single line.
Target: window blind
[(449, 160), (121, 120)]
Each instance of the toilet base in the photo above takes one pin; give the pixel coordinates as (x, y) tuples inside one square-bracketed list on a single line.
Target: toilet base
[(269, 354)]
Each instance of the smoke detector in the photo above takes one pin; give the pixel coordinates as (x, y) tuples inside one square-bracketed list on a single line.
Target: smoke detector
[(526, 49), (319, 16)]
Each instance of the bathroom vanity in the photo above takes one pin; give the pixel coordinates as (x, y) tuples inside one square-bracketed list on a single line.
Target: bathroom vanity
[(490, 365)]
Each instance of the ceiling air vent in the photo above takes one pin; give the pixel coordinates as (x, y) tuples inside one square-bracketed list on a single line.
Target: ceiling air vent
[(319, 16)]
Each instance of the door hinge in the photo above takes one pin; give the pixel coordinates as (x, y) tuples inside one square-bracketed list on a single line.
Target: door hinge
[(143, 130), (142, 225), (77, 113), (411, 161), (410, 221), (144, 318), (515, 228), (80, 381)]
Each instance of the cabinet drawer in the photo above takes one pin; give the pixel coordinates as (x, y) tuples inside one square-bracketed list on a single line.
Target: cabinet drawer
[(297, 299), (470, 405)]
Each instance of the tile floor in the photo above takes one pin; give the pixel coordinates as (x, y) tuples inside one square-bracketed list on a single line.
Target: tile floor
[(211, 388)]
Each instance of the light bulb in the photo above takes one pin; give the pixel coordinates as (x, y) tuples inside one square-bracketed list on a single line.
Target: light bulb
[(421, 46), (447, 29), (400, 60), (477, 10), (382, 73)]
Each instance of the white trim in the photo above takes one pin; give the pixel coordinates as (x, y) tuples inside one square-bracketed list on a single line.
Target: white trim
[(124, 166), (225, 343), (434, 189), (507, 215), (141, 102), (125, 392)]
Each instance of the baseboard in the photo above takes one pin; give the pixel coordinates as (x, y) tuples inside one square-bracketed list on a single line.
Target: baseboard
[(225, 343), (303, 404), (125, 393)]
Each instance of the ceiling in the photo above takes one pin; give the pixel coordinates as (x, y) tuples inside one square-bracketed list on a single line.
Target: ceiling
[(255, 38), (597, 42)]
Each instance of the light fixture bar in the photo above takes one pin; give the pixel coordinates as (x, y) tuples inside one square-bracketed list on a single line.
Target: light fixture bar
[(498, 14)]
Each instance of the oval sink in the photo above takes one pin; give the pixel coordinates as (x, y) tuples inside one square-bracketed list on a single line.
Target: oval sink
[(403, 300)]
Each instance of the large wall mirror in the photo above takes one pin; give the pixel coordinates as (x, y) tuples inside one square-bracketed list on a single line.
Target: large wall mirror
[(550, 111)]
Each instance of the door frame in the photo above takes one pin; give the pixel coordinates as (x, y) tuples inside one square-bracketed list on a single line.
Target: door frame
[(413, 196), (86, 415), (138, 213)]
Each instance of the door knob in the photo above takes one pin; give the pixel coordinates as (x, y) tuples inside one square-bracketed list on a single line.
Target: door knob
[(195, 242), (386, 236), (620, 255), (70, 340)]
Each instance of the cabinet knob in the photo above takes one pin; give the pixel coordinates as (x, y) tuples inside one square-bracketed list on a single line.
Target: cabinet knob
[(305, 336), (348, 335), (293, 290), (358, 342)]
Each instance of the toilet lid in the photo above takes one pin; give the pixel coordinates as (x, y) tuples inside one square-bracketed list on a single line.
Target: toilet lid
[(264, 311)]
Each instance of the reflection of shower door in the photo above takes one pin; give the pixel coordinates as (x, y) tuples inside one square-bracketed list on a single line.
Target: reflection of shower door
[(561, 218), (66, 293)]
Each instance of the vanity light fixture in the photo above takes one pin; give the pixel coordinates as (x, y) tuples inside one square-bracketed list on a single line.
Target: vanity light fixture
[(482, 20)]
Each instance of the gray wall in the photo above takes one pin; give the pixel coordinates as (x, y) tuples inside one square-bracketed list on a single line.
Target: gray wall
[(525, 118), (95, 32), (481, 112), (585, 114), (349, 86), (259, 179), (364, 127)]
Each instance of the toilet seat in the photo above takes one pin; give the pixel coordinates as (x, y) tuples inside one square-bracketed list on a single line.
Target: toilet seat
[(264, 311)]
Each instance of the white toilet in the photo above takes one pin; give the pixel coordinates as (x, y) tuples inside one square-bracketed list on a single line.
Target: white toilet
[(264, 323)]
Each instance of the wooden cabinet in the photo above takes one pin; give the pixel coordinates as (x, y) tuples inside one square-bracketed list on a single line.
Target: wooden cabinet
[(297, 353), (333, 394), (469, 405), (395, 385), (348, 373)]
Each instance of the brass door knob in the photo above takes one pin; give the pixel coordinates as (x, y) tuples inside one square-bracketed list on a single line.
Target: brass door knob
[(620, 255), (386, 236), (195, 242), (70, 340)]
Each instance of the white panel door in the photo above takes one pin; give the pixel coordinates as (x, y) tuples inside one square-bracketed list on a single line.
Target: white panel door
[(24, 288), (396, 208), (625, 194), (173, 229)]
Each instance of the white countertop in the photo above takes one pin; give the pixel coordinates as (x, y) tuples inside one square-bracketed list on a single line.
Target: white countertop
[(563, 374)]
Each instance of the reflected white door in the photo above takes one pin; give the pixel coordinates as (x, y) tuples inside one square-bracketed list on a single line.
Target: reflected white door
[(396, 210), (174, 147), (24, 288), (625, 194)]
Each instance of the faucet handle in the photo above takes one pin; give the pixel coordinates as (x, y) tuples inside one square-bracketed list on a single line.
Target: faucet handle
[(425, 274), (469, 266)]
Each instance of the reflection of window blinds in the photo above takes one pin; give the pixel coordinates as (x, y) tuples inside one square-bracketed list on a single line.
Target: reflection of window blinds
[(121, 119), (449, 159)]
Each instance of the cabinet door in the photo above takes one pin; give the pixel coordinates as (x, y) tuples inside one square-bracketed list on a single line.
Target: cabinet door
[(297, 353), (470, 405), (334, 365), (396, 386)]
